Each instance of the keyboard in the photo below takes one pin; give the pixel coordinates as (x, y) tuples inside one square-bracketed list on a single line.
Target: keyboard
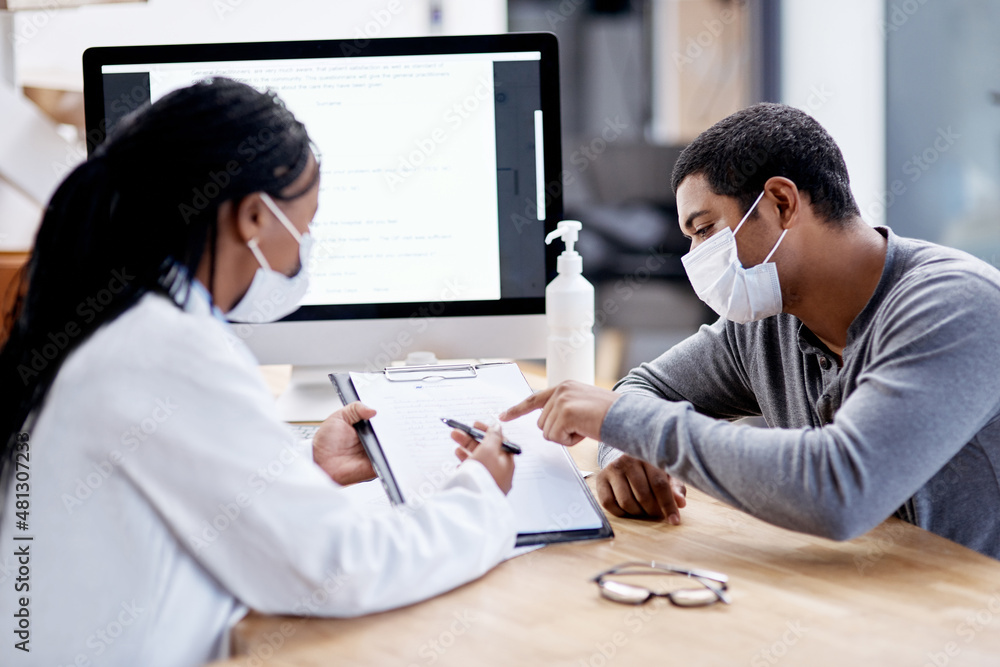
[(304, 431)]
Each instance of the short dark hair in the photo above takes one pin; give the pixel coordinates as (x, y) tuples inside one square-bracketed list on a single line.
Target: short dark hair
[(739, 153)]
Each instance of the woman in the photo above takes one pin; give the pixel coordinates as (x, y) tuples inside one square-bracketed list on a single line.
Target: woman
[(164, 495)]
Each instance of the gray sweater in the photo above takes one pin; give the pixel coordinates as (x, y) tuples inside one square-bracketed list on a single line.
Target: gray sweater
[(910, 424)]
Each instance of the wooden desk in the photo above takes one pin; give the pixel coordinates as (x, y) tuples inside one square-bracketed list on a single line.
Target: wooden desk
[(897, 596), (10, 269)]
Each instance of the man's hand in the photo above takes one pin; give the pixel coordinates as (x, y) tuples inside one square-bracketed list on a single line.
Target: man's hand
[(633, 488), (337, 448), (571, 411)]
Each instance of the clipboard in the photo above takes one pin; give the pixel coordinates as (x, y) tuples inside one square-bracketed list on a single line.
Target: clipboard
[(347, 393), (581, 519)]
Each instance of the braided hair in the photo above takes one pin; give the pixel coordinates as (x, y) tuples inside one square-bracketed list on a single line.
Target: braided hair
[(138, 217)]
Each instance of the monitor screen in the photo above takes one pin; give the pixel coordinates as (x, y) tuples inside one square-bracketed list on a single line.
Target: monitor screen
[(440, 161)]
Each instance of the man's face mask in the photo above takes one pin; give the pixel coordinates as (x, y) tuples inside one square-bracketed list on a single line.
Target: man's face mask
[(719, 279)]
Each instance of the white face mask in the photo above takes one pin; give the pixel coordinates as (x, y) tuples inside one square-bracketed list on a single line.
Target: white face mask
[(272, 294), (719, 279)]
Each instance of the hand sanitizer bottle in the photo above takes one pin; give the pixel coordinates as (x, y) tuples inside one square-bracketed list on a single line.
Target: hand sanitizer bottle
[(569, 312)]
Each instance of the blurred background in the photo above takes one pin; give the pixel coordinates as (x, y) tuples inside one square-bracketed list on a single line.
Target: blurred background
[(910, 89)]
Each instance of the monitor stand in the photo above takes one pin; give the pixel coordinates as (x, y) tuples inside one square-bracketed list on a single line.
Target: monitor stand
[(310, 396)]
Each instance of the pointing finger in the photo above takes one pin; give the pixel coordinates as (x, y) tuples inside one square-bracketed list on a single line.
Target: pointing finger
[(533, 402)]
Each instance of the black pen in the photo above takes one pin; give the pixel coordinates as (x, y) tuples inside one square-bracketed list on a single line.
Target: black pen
[(478, 435)]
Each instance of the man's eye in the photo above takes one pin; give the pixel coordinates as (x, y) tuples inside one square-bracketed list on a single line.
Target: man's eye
[(704, 231)]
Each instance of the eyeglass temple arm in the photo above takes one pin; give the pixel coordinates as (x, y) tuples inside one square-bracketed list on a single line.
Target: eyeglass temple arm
[(706, 576), (717, 577), (719, 592)]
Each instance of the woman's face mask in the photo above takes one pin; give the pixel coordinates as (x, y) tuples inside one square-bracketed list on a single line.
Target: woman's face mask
[(719, 279), (273, 295)]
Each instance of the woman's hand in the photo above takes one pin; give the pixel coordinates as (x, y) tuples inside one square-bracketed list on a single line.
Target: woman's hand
[(337, 448), (497, 461)]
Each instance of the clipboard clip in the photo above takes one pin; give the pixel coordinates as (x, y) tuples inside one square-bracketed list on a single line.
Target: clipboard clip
[(430, 373)]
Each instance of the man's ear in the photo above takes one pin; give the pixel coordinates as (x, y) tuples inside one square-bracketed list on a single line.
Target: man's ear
[(248, 217), (787, 199)]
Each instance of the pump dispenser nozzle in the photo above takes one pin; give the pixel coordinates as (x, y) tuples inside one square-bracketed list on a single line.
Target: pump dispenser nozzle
[(569, 261), (569, 231)]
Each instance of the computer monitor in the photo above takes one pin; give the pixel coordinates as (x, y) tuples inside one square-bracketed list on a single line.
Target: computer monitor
[(441, 175)]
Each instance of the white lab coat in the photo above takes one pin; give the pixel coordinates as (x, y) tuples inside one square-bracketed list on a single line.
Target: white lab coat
[(167, 497)]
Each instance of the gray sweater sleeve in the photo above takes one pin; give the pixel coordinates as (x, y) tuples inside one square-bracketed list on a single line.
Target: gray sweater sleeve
[(930, 383), (703, 370)]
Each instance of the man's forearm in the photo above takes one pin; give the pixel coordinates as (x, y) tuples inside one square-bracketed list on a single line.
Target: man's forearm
[(818, 481)]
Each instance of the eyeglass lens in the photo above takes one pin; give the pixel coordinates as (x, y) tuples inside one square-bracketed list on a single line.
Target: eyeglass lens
[(628, 594)]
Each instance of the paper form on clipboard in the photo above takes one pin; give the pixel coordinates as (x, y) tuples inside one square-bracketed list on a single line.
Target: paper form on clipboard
[(413, 452)]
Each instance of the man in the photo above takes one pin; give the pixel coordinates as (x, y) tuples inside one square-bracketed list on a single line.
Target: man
[(874, 359)]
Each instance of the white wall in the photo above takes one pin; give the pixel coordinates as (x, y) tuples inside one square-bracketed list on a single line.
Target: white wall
[(50, 43), (833, 67)]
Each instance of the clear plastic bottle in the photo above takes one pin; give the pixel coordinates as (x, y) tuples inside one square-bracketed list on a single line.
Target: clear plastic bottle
[(569, 312)]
